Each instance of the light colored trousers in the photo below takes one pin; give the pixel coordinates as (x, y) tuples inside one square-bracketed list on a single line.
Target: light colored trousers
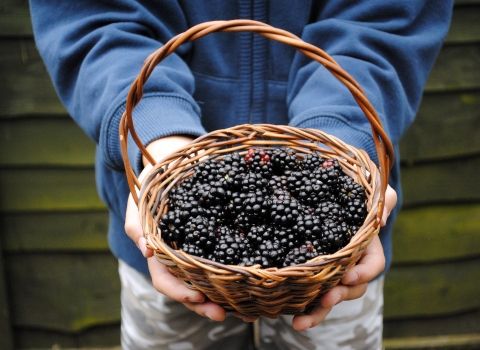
[(151, 320)]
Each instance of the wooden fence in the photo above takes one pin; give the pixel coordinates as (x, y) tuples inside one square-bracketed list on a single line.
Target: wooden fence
[(58, 280)]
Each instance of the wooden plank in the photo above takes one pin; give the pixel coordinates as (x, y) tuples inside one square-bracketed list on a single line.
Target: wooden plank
[(447, 126), (55, 232), (15, 19), (42, 141), (63, 292), (465, 25), (452, 181), (48, 189), (436, 233), (26, 86), (466, 2), (456, 68), (6, 340), (460, 323), (431, 290), (446, 342), (95, 338)]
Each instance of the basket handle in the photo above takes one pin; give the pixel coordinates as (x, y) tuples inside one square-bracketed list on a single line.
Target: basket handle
[(383, 145)]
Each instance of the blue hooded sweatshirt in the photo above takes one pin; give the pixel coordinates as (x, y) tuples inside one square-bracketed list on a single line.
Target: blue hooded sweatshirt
[(94, 49)]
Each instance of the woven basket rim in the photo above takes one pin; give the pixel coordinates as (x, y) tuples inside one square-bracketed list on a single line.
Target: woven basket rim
[(158, 173)]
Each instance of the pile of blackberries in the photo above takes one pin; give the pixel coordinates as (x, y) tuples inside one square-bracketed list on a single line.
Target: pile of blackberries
[(269, 207)]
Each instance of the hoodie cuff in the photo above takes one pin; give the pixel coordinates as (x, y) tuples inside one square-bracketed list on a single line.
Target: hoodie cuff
[(336, 124), (156, 116)]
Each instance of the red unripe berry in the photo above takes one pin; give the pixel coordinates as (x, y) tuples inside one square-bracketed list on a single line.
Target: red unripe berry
[(327, 163)]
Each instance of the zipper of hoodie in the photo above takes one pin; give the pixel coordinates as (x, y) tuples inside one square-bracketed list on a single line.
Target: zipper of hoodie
[(258, 45)]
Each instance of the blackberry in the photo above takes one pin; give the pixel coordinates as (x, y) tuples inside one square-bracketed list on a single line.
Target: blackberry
[(284, 160), (253, 182), (284, 211), (312, 161), (259, 233), (330, 211), (308, 226), (278, 182), (256, 206), (334, 236), (308, 187), (268, 207), (288, 237), (355, 212), (349, 190), (300, 255), (200, 231), (231, 249), (172, 227), (270, 253), (258, 161)]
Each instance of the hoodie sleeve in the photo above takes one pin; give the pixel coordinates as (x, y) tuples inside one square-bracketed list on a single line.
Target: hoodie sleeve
[(94, 49), (388, 46)]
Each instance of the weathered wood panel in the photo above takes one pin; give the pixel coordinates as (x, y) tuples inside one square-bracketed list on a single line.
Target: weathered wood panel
[(55, 231), (428, 234), (442, 182), (38, 141), (15, 19), (466, 2), (447, 342), (456, 68), (26, 87), (95, 338), (447, 126), (460, 323), (430, 290), (48, 189), (67, 292), (63, 292), (465, 26), (6, 338)]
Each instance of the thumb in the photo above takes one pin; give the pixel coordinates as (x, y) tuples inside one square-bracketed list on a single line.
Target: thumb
[(133, 228), (390, 202)]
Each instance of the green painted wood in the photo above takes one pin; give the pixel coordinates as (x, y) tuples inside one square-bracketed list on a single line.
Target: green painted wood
[(452, 181), (55, 232), (456, 68), (465, 25), (95, 338), (430, 290), (41, 141), (63, 292), (447, 126), (26, 86), (48, 190), (15, 19), (6, 338), (466, 2), (459, 323), (436, 233), (445, 342)]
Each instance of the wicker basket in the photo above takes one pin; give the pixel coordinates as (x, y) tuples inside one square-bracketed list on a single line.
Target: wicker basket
[(254, 291)]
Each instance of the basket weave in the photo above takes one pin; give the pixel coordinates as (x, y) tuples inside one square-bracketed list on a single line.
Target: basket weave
[(254, 291)]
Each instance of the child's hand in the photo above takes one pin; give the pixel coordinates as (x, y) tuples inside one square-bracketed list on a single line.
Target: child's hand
[(354, 284)]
